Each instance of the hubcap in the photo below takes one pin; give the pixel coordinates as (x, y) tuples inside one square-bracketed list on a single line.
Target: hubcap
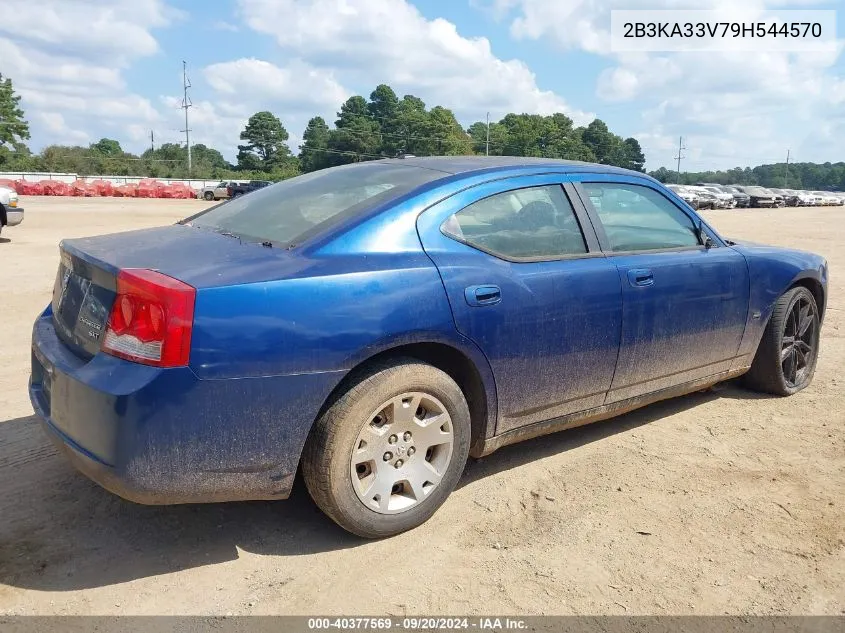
[(402, 452), (798, 343)]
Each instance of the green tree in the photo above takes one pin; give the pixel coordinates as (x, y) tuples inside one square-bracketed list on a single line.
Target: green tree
[(634, 154), (107, 147), (14, 129), (357, 136), (266, 145), (352, 112), (498, 138), (383, 104), (207, 160), (411, 124), (601, 141), (446, 136), (313, 153)]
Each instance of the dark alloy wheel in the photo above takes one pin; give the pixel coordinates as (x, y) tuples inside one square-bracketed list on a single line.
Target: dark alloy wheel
[(787, 355), (798, 344), (208, 195)]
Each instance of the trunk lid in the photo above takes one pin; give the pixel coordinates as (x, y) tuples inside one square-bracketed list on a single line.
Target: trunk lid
[(86, 282), (82, 298)]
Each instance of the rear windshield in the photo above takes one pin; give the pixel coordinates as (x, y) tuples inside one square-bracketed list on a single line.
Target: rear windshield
[(288, 212)]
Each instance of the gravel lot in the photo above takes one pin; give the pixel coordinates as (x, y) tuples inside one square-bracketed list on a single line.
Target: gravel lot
[(719, 502)]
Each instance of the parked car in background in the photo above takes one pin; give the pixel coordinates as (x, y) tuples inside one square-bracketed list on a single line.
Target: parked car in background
[(789, 198), (806, 199), (219, 191), (759, 197), (778, 199), (686, 194), (370, 326), (726, 200), (832, 198), (741, 199), (707, 199), (11, 213), (243, 188)]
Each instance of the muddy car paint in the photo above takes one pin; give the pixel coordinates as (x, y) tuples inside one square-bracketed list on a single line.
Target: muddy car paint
[(276, 331)]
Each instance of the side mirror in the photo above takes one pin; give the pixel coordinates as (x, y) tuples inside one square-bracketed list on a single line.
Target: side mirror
[(703, 238)]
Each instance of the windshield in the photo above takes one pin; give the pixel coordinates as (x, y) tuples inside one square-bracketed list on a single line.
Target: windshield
[(289, 211)]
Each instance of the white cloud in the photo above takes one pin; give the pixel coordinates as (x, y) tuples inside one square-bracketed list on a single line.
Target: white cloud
[(58, 128), (66, 59), (118, 29), (391, 42), (223, 25), (296, 85), (732, 108)]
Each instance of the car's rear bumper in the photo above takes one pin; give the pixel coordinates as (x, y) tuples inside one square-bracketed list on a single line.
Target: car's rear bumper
[(163, 436), (14, 216)]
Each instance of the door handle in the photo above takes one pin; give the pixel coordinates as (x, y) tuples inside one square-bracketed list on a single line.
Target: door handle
[(641, 277), (485, 295)]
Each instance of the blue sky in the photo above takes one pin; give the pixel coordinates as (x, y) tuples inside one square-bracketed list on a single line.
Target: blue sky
[(93, 68)]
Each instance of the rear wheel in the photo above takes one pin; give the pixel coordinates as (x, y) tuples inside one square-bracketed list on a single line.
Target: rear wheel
[(389, 451), (208, 195), (787, 355)]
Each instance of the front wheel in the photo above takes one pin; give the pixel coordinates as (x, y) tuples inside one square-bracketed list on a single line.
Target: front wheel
[(786, 358), (389, 451), (208, 195)]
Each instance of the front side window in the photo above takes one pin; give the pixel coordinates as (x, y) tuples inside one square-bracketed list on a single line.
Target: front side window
[(530, 223), (637, 218)]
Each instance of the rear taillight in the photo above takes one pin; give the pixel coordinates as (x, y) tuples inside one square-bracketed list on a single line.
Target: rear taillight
[(151, 319)]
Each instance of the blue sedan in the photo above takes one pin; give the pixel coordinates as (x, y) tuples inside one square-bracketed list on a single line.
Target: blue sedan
[(373, 325)]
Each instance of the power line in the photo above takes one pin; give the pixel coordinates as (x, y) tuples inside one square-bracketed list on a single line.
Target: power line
[(132, 158), (336, 151)]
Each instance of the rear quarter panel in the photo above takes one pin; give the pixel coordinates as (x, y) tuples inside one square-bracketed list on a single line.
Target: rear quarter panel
[(318, 323)]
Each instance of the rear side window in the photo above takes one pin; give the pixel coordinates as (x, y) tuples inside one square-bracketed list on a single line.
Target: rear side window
[(292, 210), (637, 218), (531, 223)]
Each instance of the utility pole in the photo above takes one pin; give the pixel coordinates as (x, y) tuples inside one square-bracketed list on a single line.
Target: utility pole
[(487, 144), (152, 141), (786, 172), (680, 156), (186, 103)]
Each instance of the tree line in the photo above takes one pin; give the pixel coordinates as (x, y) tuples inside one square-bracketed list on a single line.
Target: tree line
[(366, 129), (805, 176), (380, 126)]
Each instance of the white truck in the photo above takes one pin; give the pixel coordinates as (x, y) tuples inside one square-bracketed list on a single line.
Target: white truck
[(10, 213)]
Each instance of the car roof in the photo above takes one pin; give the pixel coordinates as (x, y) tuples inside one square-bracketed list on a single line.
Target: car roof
[(466, 164)]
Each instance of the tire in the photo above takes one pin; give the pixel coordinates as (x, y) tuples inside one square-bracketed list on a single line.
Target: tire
[(770, 374), (330, 466), (208, 195)]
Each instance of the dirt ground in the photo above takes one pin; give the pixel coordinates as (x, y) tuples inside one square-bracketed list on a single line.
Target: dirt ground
[(719, 502)]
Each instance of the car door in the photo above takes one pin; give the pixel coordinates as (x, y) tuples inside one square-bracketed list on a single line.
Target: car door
[(528, 284), (684, 304)]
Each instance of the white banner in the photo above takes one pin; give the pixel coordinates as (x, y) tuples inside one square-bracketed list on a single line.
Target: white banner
[(723, 30)]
